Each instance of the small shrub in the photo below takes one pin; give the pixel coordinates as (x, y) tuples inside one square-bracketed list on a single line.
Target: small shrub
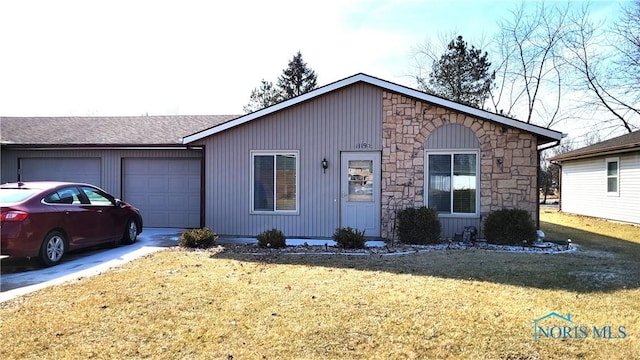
[(198, 238), (273, 238), (349, 238), (418, 226), (509, 227)]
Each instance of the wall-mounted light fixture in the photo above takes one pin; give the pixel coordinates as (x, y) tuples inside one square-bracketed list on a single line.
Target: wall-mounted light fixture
[(325, 165)]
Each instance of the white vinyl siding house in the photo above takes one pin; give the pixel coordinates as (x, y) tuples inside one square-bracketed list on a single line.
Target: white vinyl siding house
[(588, 188), (603, 180)]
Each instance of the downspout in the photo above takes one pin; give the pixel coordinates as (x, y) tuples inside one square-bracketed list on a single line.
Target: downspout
[(538, 190), (203, 187), (559, 165)]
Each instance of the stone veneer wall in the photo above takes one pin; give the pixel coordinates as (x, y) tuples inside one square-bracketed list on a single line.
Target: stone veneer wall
[(508, 158)]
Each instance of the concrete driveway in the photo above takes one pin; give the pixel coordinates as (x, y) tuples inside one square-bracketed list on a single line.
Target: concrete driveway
[(22, 276)]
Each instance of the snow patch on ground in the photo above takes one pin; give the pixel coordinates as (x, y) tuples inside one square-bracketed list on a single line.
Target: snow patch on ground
[(597, 278), (398, 249)]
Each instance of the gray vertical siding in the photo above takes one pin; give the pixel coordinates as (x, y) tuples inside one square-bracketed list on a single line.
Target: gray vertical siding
[(8, 167), (454, 137), (320, 128), (110, 159)]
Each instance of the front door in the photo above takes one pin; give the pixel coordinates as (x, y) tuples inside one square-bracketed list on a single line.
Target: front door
[(360, 190)]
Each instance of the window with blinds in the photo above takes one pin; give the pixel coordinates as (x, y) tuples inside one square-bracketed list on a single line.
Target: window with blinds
[(452, 182)]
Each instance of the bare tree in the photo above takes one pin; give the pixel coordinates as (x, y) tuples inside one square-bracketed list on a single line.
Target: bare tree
[(554, 64), (604, 81), (627, 29), (549, 172), (530, 45)]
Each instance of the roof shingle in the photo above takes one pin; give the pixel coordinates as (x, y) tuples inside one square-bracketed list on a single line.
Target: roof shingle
[(627, 142), (122, 130)]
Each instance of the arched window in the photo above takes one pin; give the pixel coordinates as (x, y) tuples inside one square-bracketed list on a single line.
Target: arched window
[(452, 171)]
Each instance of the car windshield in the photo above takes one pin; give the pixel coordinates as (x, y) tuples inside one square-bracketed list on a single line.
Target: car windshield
[(10, 196)]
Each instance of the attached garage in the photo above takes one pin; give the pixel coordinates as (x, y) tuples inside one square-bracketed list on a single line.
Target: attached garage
[(140, 159), (86, 170), (167, 191)]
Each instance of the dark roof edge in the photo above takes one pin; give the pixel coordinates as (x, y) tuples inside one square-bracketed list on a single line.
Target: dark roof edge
[(574, 155), (97, 146), (102, 117)]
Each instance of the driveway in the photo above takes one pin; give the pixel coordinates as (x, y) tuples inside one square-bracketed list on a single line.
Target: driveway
[(22, 276)]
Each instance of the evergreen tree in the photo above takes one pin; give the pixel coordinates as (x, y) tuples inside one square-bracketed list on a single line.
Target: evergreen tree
[(295, 80), (262, 97), (461, 75)]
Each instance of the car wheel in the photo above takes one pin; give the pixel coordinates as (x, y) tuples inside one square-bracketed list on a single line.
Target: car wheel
[(52, 249), (130, 232)]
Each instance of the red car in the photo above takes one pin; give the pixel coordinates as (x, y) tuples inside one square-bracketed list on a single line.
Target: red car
[(47, 219)]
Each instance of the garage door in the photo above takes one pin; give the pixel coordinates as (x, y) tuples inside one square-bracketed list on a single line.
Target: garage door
[(167, 191), (85, 170)]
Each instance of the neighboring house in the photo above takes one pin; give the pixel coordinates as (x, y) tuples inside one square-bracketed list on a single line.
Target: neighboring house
[(385, 147), (602, 180), (141, 159)]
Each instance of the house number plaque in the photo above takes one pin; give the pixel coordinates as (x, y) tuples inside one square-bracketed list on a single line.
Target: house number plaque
[(364, 145)]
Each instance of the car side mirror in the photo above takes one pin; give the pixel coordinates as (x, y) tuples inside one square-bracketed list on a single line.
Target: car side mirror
[(117, 202)]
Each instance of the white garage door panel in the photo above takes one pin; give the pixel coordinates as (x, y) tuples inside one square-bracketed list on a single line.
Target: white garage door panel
[(85, 170), (167, 191)]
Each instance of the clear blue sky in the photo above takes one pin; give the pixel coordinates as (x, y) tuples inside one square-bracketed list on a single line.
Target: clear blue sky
[(79, 58)]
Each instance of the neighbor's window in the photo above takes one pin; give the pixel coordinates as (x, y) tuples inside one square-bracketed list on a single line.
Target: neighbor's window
[(275, 182), (613, 176), (452, 182)]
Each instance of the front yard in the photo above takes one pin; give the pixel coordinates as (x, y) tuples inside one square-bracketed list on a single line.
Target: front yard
[(180, 304)]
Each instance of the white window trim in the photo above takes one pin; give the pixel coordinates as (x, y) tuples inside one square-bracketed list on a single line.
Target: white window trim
[(607, 177), (426, 181), (253, 153)]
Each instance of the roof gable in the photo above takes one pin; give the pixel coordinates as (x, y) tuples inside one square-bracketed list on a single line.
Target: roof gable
[(549, 134)]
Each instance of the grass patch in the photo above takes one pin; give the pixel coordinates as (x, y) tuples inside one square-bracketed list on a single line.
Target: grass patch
[(444, 304)]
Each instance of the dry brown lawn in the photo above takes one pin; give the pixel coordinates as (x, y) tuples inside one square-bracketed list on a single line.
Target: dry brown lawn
[(468, 304)]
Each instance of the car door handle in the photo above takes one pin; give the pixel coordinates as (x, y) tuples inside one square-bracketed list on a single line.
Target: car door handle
[(99, 211)]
